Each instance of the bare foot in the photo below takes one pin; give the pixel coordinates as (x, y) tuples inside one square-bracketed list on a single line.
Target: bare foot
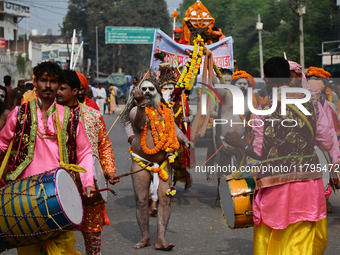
[(153, 212), (142, 243), (188, 182), (164, 246)]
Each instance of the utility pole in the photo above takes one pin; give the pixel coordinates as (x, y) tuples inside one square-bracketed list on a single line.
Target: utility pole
[(97, 52), (301, 11), (259, 27)]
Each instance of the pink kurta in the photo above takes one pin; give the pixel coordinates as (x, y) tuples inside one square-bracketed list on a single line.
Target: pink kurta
[(46, 151), (282, 205)]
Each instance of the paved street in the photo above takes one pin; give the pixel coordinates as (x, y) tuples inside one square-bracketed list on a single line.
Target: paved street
[(196, 226)]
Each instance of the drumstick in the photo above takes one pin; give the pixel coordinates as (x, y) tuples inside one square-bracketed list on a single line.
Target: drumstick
[(108, 189), (130, 173)]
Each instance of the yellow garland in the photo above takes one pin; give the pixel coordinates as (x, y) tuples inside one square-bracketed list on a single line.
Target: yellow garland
[(217, 71), (160, 170), (192, 66), (178, 112), (171, 191)]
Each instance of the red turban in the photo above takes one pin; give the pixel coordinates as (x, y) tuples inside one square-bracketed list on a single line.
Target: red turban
[(178, 30), (83, 80)]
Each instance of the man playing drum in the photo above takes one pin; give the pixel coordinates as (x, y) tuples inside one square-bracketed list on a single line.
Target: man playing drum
[(94, 214), (156, 139), (289, 207), (32, 128)]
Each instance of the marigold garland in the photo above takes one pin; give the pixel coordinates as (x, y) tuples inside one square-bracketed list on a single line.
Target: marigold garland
[(192, 66), (318, 72), (241, 74), (160, 170), (163, 132), (171, 191)]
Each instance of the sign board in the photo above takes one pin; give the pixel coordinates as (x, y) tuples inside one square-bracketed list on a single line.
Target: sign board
[(2, 44), (14, 9), (129, 35)]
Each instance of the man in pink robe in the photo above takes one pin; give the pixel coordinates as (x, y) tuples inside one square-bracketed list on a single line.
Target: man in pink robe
[(287, 210), (41, 149)]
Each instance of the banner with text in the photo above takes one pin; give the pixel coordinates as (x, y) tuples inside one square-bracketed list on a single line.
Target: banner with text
[(222, 51)]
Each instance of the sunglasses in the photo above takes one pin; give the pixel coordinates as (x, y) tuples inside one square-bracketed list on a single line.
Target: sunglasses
[(146, 88)]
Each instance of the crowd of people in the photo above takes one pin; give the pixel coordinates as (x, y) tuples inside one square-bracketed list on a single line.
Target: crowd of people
[(58, 123)]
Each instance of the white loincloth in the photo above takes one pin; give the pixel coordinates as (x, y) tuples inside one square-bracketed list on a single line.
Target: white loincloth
[(153, 189)]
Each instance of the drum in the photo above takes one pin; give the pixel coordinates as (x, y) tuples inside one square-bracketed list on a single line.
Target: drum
[(236, 196), (324, 160), (36, 208), (100, 182)]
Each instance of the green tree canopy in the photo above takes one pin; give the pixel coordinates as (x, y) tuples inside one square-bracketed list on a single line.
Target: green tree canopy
[(85, 15)]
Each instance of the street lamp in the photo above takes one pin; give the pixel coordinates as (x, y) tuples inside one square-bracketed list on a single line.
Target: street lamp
[(301, 11), (97, 52), (259, 27)]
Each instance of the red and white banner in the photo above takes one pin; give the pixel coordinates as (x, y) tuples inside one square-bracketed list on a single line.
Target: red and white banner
[(222, 51), (2, 44)]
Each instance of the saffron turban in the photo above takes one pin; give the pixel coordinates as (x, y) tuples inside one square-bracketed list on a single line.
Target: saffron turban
[(318, 72), (83, 80), (243, 74)]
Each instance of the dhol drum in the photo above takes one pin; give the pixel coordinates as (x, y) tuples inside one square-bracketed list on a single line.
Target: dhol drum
[(36, 208), (324, 160), (100, 182), (236, 197)]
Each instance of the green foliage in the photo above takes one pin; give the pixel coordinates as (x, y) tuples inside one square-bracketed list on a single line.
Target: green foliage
[(102, 13), (21, 65)]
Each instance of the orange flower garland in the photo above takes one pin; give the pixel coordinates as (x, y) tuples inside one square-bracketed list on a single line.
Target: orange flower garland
[(318, 72), (165, 130), (242, 74)]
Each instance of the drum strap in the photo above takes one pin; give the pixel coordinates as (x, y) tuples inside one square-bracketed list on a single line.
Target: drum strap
[(69, 167), (42, 188), (4, 162)]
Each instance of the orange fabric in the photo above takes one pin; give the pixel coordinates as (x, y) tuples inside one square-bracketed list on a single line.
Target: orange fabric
[(29, 96), (174, 14), (95, 218), (197, 11), (178, 30), (83, 80)]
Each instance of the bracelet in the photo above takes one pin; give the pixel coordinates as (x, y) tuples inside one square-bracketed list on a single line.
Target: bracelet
[(141, 105)]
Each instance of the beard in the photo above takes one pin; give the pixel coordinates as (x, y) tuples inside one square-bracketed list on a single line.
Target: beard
[(81, 98), (153, 100), (245, 91)]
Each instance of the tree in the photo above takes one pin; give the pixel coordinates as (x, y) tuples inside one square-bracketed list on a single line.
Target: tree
[(101, 13)]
